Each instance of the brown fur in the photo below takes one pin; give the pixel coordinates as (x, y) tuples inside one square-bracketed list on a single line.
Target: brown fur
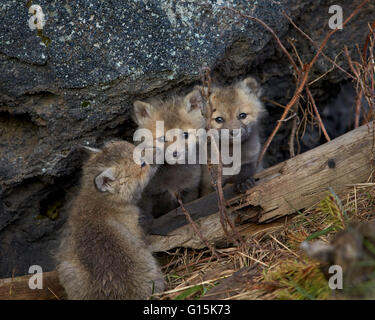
[(103, 254), (351, 249), (159, 197), (228, 103)]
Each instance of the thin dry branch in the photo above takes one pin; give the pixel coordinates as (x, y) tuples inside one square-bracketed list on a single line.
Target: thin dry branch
[(218, 186), (358, 108), (291, 139), (365, 47), (311, 98), (305, 73), (315, 45), (196, 228), (364, 78)]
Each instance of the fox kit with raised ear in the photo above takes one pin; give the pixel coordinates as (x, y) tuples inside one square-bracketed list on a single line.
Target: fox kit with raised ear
[(181, 113), (103, 254), (238, 107)]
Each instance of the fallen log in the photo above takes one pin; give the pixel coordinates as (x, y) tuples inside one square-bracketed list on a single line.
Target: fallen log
[(284, 189), (17, 288), (281, 190)]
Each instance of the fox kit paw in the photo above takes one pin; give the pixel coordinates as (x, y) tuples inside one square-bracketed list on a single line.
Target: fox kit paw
[(242, 187)]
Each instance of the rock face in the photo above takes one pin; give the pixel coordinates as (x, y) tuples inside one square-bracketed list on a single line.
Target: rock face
[(73, 84)]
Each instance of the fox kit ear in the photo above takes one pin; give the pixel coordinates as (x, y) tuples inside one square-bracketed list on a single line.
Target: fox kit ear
[(194, 100), (89, 150), (142, 111), (250, 86), (85, 152), (104, 180)]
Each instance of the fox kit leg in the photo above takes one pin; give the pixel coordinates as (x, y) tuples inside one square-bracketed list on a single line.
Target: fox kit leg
[(245, 179), (249, 154)]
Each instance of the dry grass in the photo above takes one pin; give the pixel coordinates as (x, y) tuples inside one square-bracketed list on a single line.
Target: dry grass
[(271, 263)]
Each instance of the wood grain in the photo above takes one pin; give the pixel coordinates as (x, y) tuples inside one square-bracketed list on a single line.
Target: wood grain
[(286, 188), (282, 190), (17, 288)]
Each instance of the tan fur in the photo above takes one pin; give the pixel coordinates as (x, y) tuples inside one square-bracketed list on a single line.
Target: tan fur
[(173, 112), (177, 112), (103, 254), (228, 103)]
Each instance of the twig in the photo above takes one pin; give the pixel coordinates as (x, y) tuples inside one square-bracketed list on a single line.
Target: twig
[(317, 114), (305, 73), (287, 108), (273, 102), (358, 101), (365, 47), (224, 219), (53, 293), (256, 260), (291, 139), (359, 88), (313, 42), (196, 228), (206, 81), (283, 245), (287, 119)]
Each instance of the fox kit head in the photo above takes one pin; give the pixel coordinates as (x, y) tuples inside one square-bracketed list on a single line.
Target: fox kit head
[(113, 171), (173, 123), (236, 107)]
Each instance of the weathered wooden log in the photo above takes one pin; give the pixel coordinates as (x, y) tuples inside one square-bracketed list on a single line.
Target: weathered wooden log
[(281, 190), (17, 288), (286, 188)]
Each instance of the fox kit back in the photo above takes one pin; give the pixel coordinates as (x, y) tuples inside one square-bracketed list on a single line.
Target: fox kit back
[(103, 254), (183, 113)]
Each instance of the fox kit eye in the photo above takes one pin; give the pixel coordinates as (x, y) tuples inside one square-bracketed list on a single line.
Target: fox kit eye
[(143, 163), (161, 139), (186, 135), (219, 119), (242, 115)]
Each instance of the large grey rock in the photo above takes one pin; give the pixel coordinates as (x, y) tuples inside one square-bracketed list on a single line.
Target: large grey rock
[(100, 57), (76, 86)]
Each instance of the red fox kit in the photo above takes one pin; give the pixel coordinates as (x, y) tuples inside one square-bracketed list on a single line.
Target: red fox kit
[(103, 254), (183, 113), (238, 107)]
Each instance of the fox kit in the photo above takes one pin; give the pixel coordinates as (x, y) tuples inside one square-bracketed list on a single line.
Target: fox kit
[(349, 249), (238, 107), (182, 113), (103, 254)]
